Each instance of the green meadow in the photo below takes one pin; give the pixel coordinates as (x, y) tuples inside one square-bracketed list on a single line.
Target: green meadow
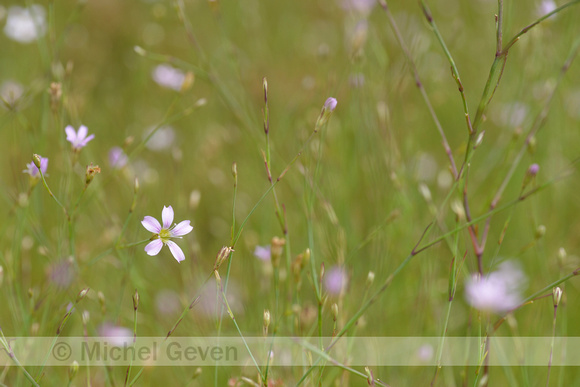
[(337, 171)]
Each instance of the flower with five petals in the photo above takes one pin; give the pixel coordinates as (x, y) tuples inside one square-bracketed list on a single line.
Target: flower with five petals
[(164, 233), (78, 139)]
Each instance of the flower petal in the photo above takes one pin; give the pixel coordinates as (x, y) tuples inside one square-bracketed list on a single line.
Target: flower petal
[(151, 224), (154, 247), (86, 140), (181, 229), (167, 216), (71, 135), (43, 165), (83, 131), (176, 251)]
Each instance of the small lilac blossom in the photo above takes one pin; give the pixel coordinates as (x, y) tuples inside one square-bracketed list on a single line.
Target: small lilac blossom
[(164, 233), (117, 158), (169, 77), (25, 25), (499, 291), (335, 280), (262, 253), (78, 139), (330, 104), (533, 169), (32, 169), (546, 7)]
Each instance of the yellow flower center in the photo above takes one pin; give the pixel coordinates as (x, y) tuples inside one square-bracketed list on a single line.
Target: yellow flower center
[(164, 235)]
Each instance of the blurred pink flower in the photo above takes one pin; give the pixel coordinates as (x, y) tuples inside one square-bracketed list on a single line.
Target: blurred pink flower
[(335, 280), (118, 336), (32, 170), (168, 77), (78, 139), (262, 253), (163, 234), (499, 291), (117, 158)]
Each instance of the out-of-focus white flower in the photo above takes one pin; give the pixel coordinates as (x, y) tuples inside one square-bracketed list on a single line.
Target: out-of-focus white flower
[(25, 25), (168, 77), (10, 92), (499, 291), (335, 280), (162, 139), (78, 139), (117, 158), (262, 253), (163, 234), (32, 170)]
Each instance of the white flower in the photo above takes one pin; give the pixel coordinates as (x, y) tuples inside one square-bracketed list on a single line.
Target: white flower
[(168, 77), (25, 25), (10, 92), (162, 139), (32, 170), (78, 139), (163, 234), (499, 291)]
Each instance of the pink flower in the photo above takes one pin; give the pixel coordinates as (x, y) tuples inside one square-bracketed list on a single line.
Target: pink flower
[(163, 234), (78, 139), (117, 336), (117, 158), (498, 292), (32, 170), (262, 253), (335, 280)]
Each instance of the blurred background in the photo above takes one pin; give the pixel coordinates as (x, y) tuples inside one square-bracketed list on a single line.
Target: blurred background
[(375, 176)]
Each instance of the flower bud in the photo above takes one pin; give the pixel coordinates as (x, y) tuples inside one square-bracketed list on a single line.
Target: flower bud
[(326, 112), (86, 317), (370, 278), (1, 275), (276, 249), (140, 50), (72, 370), (556, 295), (82, 294), (562, 255), (223, 254), (334, 311), (36, 160), (265, 86), (479, 139), (235, 171), (92, 170), (530, 175), (266, 321), (540, 231), (135, 300)]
